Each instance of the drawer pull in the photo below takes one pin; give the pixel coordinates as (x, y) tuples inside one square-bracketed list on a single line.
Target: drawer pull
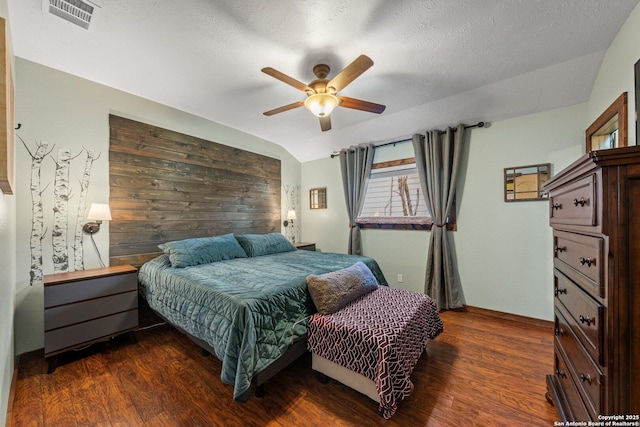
[(586, 378), (580, 202), (586, 319), (587, 261), (560, 291), (557, 249), (560, 373), (559, 332), (556, 206)]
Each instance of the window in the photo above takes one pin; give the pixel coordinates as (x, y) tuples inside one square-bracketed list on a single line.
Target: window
[(394, 194), (394, 198)]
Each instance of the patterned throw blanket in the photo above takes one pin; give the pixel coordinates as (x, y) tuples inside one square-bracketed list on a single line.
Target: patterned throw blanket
[(381, 336)]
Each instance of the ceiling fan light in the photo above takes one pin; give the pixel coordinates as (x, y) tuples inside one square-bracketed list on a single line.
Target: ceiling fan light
[(321, 104)]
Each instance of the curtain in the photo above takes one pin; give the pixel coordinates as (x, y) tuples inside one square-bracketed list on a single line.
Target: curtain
[(437, 160), (355, 164)]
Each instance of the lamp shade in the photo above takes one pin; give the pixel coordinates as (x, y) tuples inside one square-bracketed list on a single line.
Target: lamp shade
[(321, 104), (291, 215), (99, 212)]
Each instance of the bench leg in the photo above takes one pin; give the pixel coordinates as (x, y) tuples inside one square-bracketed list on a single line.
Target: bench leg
[(322, 377)]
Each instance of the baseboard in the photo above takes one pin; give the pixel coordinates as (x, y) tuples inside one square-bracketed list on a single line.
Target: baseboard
[(12, 390), (508, 316)]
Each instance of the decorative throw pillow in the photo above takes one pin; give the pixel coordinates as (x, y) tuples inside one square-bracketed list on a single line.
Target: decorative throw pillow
[(264, 244), (202, 250), (332, 291)]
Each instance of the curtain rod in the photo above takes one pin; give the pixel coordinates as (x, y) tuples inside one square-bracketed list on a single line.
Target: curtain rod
[(477, 125)]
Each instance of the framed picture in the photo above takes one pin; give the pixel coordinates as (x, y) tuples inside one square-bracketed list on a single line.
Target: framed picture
[(318, 198), (6, 114), (523, 183), (637, 74)]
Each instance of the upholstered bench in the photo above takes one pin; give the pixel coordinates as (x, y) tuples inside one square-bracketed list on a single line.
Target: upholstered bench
[(369, 337)]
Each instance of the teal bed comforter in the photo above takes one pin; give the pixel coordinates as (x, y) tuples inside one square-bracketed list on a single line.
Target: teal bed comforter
[(249, 310)]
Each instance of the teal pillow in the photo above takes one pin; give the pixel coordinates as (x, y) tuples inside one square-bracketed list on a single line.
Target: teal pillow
[(264, 244), (202, 250)]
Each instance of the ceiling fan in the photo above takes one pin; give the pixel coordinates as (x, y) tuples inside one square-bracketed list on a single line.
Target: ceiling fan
[(322, 94)]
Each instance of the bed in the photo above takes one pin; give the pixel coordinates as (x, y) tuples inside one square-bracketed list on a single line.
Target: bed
[(248, 307), (373, 342)]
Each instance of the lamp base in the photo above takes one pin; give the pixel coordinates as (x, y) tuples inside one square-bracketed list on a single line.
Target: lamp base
[(91, 227)]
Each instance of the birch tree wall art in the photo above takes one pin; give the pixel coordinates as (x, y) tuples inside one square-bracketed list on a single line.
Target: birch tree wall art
[(62, 227), (78, 254), (61, 196), (37, 214), (292, 193)]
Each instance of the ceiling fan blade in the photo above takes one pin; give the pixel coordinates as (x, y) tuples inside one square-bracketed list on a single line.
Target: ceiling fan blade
[(349, 74), (358, 104), (284, 108), (325, 123), (288, 80)]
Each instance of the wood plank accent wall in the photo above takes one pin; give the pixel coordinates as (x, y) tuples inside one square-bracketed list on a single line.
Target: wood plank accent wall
[(169, 186)]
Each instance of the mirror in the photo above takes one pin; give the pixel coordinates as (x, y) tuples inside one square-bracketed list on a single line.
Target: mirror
[(610, 129), (524, 183)]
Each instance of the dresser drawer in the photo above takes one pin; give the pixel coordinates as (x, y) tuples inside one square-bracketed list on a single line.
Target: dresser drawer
[(68, 314), (60, 339), (585, 373), (577, 409), (575, 203), (70, 292), (584, 254), (584, 314)]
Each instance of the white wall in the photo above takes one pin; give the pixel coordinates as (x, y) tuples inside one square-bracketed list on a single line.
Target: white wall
[(503, 249), (326, 227), (7, 284), (617, 73), (7, 299), (73, 113)]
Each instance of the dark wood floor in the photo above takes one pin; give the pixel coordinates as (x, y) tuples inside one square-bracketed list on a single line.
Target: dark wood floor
[(481, 371)]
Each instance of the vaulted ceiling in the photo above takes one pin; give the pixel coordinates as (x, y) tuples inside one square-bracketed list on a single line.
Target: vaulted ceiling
[(437, 62)]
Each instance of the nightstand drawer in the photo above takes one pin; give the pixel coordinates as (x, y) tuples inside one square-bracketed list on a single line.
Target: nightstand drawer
[(305, 246), (68, 314), (75, 335), (66, 293), (575, 203)]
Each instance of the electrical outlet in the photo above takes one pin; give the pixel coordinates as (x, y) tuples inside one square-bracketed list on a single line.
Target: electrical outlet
[(399, 278)]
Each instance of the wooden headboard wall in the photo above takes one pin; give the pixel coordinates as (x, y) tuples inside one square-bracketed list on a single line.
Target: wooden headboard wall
[(169, 186)]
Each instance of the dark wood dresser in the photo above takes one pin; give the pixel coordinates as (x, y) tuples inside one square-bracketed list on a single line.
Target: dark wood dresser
[(595, 215)]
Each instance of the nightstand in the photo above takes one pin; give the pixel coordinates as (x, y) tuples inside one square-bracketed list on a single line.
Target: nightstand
[(86, 306), (305, 246)]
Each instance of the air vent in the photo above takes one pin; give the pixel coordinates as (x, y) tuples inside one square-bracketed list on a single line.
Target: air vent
[(75, 11)]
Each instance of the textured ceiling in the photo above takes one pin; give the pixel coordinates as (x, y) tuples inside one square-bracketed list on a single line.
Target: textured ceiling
[(436, 62)]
